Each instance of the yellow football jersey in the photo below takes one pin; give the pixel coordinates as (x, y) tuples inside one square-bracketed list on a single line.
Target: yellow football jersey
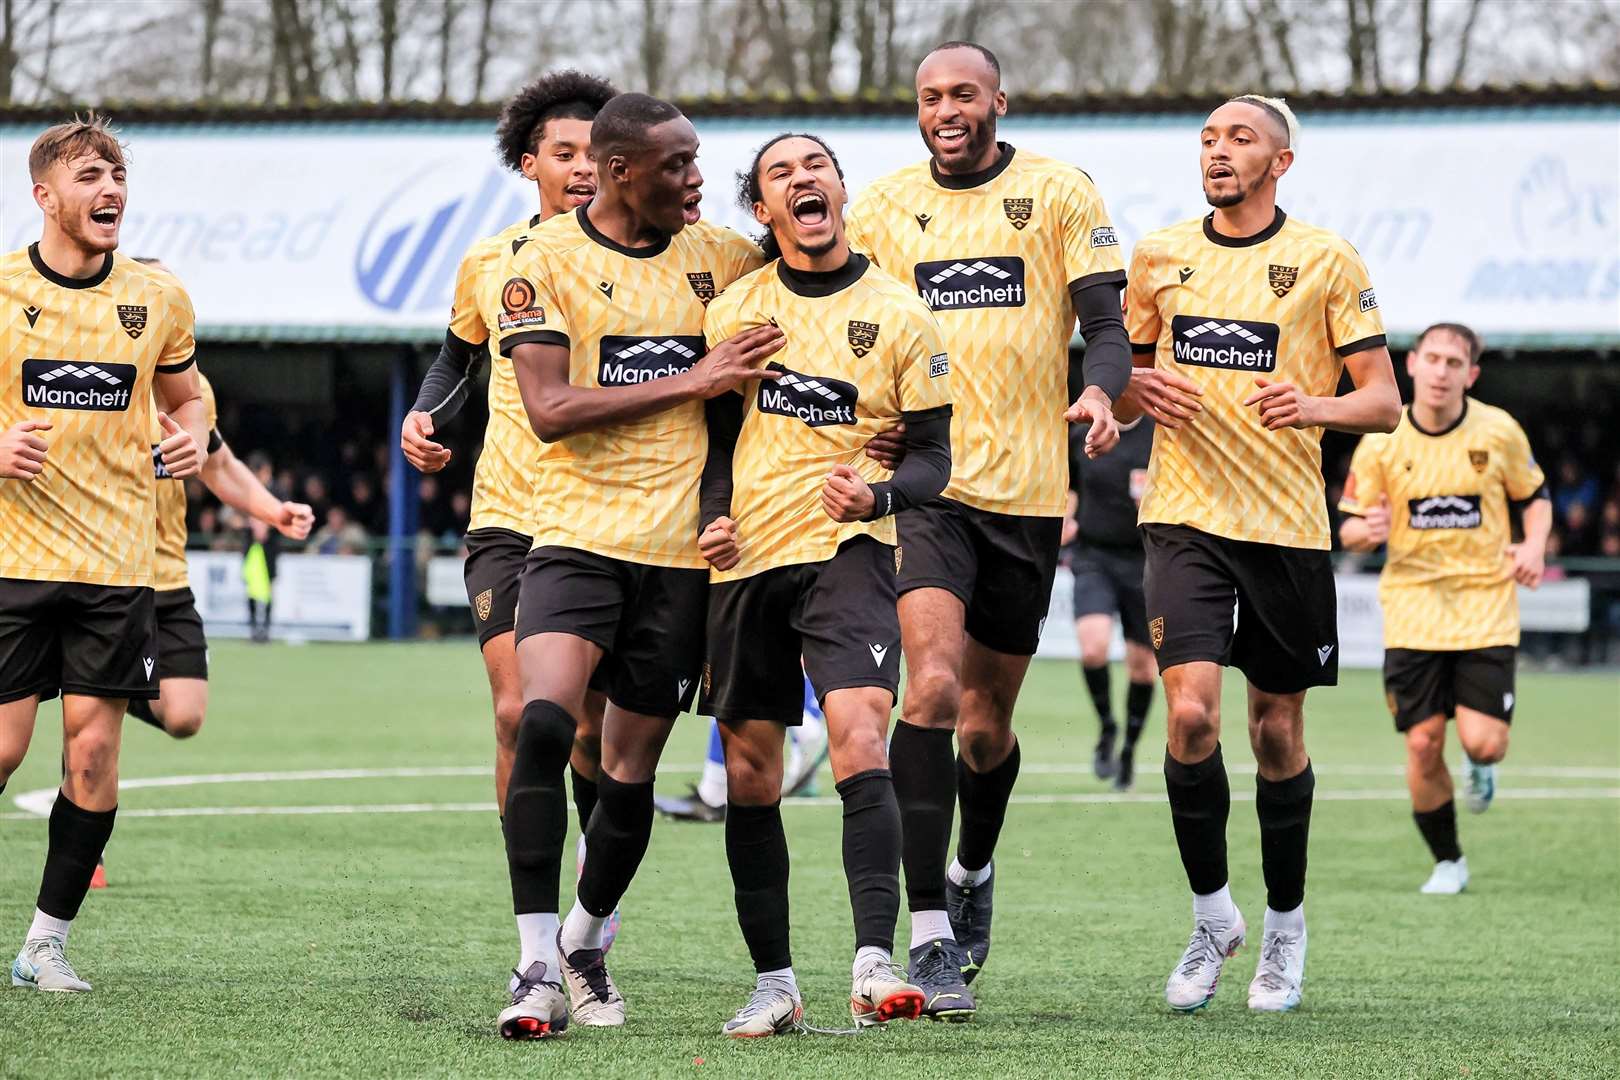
[(1287, 304), (628, 315), (855, 359), (994, 255), (501, 498), (81, 354), (1448, 582), (169, 571)]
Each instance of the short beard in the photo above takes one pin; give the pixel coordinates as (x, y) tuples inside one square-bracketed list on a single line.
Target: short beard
[(979, 140), (84, 243), (1221, 202), (821, 249)]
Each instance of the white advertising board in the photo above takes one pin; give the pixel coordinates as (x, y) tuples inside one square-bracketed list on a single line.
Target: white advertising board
[(357, 229), (315, 598), (1556, 607)]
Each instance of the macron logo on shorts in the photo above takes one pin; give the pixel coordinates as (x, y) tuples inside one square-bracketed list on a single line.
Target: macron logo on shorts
[(878, 653), (1322, 654), (147, 660)]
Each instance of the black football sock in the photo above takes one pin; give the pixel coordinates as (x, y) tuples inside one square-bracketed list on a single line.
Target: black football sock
[(142, 711), (1439, 829), (756, 849), (1097, 684), (585, 796), (1284, 808), (615, 843), (1138, 700), (983, 797), (77, 837), (872, 855), (924, 766), (536, 820), (1200, 801)]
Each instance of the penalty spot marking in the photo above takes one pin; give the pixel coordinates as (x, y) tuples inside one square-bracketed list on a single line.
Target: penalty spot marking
[(36, 805)]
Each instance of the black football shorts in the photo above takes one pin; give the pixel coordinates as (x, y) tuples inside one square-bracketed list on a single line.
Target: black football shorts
[(648, 619), (182, 646), (1270, 611), (61, 637), (1000, 566), (838, 615), (1108, 581), (1420, 683), (494, 564)]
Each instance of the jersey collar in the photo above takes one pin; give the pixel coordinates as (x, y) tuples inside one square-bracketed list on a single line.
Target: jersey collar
[(963, 181), (1447, 430), (815, 283), (1243, 241), (67, 282), (611, 244)]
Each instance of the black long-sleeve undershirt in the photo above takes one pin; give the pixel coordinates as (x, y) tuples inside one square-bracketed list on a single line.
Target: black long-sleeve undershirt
[(921, 475), (1107, 362), (449, 379)]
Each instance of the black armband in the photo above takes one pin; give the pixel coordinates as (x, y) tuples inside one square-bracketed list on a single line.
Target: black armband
[(1518, 505), (926, 468), (724, 416), (449, 379), (1107, 363)]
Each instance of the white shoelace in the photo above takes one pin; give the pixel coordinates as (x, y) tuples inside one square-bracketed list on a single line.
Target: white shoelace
[(1202, 951)]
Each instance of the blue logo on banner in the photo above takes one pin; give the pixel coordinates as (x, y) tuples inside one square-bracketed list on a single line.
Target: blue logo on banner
[(414, 241)]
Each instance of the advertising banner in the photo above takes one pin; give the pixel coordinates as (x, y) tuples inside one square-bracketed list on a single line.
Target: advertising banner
[(356, 230), (316, 597)]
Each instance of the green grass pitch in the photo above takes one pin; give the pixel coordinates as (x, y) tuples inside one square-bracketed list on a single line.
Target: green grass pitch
[(370, 943)]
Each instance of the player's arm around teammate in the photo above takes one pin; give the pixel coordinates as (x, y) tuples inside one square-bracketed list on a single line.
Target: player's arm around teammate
[(802, 546)]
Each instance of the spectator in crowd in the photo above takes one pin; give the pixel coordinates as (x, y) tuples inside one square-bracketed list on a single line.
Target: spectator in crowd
[(339, 535), (316, 495), (1575, 487), (364, 507), (259, 576)]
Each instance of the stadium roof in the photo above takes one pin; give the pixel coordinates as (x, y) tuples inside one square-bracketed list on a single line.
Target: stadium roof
[(873, 105)]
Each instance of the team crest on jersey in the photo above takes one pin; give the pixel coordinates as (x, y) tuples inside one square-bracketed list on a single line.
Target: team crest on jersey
[(483, 603), (132, 317), (1479, 459), (703, 285), (1018, 211), (1282, 278), (862, 336), (1156, 631)]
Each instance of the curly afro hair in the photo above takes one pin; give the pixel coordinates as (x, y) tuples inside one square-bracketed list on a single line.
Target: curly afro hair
[(570, 94)]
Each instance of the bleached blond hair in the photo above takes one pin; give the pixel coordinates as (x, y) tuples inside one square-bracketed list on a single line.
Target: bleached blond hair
[(1277, 108)]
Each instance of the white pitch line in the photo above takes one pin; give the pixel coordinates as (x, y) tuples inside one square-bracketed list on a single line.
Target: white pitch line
[(1056, 799)]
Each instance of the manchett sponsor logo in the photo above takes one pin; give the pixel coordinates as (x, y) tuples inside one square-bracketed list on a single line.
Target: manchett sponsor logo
[(1224, 343), (67, 384), (813, 399), (626, 361), (954, 284), (1445, 512)]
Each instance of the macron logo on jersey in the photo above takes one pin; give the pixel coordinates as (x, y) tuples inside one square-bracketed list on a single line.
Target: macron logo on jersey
[(1445, 512), (955, 284), (628, 360), (1224, 343), (816, 400), (73, 384)]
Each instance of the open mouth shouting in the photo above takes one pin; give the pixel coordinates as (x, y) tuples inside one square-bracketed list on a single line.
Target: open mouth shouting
[(581, 193), (809, 209), (690, 211)]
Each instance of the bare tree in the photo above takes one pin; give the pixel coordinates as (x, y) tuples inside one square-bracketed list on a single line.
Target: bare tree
[(486, 24), (447, 33), (387, 42), (1464, 38), (1425, 43)]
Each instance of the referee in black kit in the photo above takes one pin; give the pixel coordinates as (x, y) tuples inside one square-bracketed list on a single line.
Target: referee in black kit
[(1105, 556)]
